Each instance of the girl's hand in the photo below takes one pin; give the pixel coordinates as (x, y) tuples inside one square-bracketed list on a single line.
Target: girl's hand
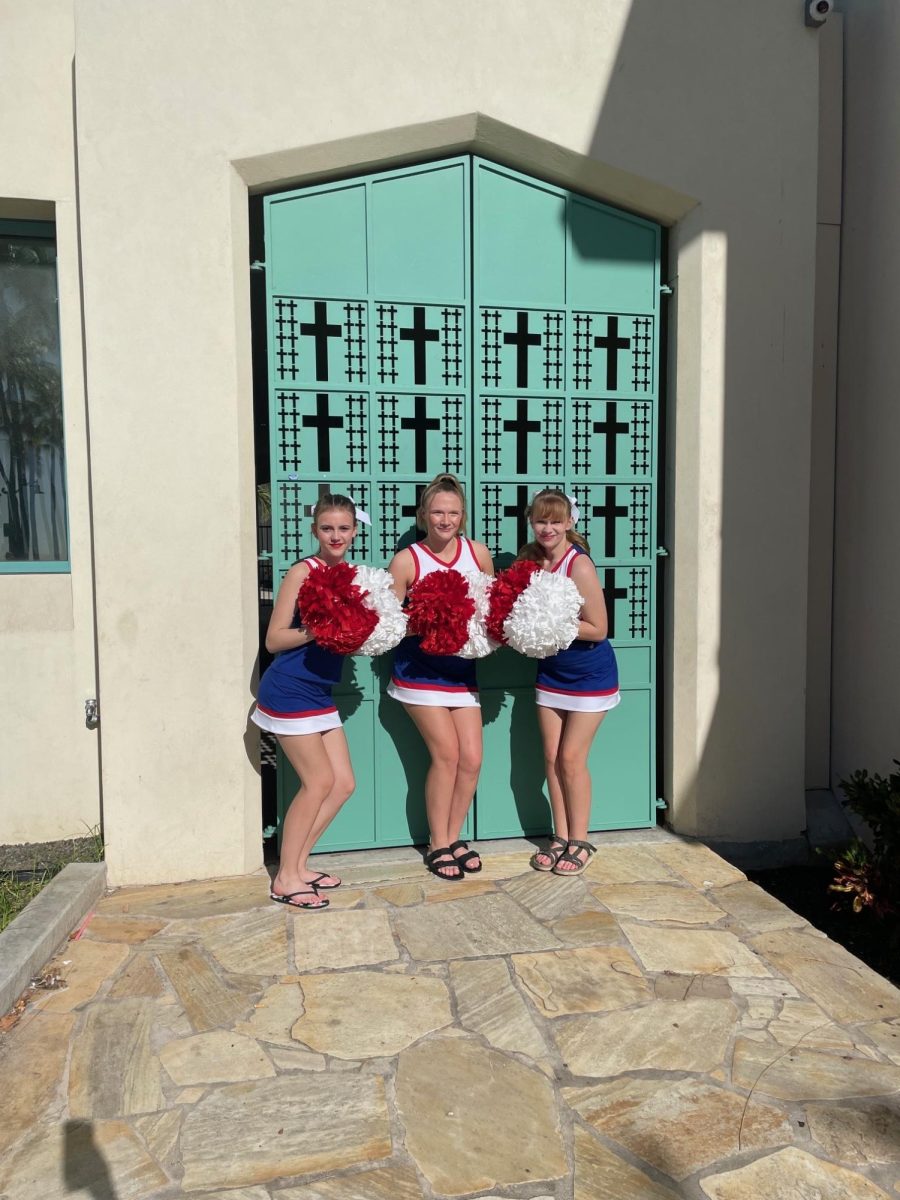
[(280, 635), (594, 625)]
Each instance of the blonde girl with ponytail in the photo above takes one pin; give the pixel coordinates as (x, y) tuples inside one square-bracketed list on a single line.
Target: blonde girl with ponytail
[(440, 692)]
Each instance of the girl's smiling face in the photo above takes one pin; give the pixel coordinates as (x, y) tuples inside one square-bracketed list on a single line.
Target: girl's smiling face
[(551, 524), (444, 516), (335, 530)]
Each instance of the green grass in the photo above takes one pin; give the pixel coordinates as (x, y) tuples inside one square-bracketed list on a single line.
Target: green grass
[(15, 893)]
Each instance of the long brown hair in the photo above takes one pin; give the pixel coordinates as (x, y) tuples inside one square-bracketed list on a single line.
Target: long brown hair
[(441, 483), (552, 503)]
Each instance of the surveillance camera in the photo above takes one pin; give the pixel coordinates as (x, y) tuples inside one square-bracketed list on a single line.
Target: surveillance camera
[(818, 12)]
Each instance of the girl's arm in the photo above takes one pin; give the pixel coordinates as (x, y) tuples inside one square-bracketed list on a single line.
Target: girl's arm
[(279, 635), (483, 556), (402, 569), (593, 626)]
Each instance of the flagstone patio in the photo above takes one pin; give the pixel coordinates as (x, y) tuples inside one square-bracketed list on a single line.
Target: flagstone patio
[(656, 1028)]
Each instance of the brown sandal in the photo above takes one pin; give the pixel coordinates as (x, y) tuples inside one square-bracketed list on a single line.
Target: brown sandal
[(551, 853), (573, 858)]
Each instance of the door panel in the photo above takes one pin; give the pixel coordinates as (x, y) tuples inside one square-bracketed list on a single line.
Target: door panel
[(459, 316)]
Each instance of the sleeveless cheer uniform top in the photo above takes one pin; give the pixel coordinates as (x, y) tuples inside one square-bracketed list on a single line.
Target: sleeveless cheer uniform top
[(439, 680), (295, 690), (582, 678)]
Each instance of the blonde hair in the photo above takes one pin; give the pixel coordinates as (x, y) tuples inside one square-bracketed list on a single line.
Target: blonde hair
[(441, 483), (552, 503), (332, 502)]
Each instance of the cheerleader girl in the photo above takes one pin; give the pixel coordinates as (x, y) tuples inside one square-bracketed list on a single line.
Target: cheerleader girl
[(575, 688), (439, 691), (295, 703)]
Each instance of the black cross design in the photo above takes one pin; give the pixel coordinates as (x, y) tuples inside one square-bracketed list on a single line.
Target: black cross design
[(612, 344), (410, 510), (609, 510), (521, 426), (321, 331), (522, 339), (517, 510), (610, 426), (322, 422), (611, 594), (421, 423), (419, 335)]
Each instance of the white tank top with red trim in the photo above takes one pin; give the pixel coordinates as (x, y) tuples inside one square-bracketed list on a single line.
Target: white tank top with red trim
[(565, 564), (465, 561)]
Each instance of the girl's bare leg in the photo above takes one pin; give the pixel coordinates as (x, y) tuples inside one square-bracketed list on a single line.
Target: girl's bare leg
[(338, 753), (575, 744), (439, 734), (552, 723), (467, 722), (307, 755)]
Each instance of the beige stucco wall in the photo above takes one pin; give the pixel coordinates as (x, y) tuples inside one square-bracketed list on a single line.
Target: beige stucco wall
[(49, 779), (712, 102), (866, 709)]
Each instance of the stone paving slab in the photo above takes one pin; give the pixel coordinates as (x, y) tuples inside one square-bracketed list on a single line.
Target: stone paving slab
[(657, 1028)]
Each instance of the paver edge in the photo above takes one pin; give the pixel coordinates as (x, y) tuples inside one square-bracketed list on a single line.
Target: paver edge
[(31, 939)]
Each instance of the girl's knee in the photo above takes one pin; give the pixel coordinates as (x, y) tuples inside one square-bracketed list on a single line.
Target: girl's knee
[(469, 762), (445, 757), (344, 787), (571, 764), (319, 786)]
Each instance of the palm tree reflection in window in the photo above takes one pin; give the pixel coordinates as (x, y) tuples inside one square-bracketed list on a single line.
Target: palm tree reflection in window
[(33, 524)]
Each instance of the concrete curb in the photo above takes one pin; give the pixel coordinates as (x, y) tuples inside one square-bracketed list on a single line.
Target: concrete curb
[(30, 940)]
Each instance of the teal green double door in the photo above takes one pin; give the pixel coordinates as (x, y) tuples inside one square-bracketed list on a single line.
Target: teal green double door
[(459, 316)]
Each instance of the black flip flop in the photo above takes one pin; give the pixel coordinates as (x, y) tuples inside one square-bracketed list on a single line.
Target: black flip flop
[(324, 887), (289, 900)]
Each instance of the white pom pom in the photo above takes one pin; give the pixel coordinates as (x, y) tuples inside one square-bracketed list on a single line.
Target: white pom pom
[(478, 644), (378, 594), (544, 619)]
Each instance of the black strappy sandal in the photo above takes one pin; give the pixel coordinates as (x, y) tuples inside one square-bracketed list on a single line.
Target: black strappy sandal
[(462, 859), (551, 852), (573, 858), (437, 867)]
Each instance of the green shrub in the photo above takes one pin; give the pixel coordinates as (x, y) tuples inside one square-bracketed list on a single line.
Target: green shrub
[(872, 875)]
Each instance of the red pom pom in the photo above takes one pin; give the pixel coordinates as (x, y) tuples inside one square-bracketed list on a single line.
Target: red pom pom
[(508, 587), (332, 609), (440, 608)]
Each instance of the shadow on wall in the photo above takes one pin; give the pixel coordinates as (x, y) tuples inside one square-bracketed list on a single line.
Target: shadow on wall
[(740, 472)]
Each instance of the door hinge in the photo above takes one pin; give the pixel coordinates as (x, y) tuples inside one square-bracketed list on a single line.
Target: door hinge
[(662, 552), (92, 713), (665, 290), (257, 266), (661, 804)]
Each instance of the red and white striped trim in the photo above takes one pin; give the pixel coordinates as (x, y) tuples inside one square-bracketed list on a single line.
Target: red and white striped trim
[(577, 701), (316, 720), (433, 695)]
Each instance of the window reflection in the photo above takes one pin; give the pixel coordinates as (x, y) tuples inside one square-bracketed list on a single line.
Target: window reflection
[(33, 505)]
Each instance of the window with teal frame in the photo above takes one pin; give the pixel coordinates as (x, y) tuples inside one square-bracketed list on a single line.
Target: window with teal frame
[(34, 535)]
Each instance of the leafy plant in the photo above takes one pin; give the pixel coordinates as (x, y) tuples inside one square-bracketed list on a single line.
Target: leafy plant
[(871, 875)]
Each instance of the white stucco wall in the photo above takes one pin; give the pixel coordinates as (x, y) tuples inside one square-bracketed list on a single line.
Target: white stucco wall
[(49, 777), (702, 97), (866, 708)]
